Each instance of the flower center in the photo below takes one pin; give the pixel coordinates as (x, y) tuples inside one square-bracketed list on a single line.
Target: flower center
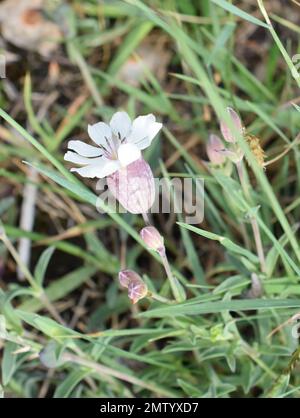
[(110, 149)]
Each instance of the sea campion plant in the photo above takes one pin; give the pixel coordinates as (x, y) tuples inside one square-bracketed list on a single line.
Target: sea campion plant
[(129, 179), (217, 154), (118, 158)]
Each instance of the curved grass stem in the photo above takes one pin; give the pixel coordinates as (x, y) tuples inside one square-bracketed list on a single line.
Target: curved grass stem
[(253, 220)]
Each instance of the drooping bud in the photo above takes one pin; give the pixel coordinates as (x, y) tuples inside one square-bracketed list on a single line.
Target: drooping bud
[(125, 276), (228, 134), (152, 238), (133, 186), (214, 149), (137, 289)]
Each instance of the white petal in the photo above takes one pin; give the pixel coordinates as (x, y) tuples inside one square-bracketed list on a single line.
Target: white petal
[(99, 171), (144, 129), (84, 149), (99, 132), (78, 159), (120, 124), (153, 130), (127, 153)]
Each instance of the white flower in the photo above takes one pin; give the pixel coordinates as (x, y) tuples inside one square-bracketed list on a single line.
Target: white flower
[(118, 145)]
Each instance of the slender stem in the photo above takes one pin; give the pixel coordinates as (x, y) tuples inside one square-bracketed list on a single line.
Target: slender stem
[(159, 298), (243, 181), (253, 220), (290, 320), (146, 218), (258, 243), (245, 234), (123, 251), (175, 285), (283, 153), (53, 311)]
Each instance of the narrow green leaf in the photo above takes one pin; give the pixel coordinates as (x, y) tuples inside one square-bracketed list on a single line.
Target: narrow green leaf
[(64, 389), (238, 12), (226, 242), (60, 288), (42, 264), (220, 306), (8, 362), (129, 44)]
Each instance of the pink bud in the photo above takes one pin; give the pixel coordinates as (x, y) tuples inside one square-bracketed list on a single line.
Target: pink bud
[(214, 149), (137, 289), (126, 275), (133, 186), (228, 134), (152, 238)]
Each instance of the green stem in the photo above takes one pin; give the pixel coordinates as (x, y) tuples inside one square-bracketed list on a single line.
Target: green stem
[(176, 287), (253, 220), (159, 298)]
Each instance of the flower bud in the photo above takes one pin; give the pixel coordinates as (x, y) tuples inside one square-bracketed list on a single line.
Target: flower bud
[(214, 148), (227, 133), (133, 186), (125, 276), (137, 289), (152, 238)]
